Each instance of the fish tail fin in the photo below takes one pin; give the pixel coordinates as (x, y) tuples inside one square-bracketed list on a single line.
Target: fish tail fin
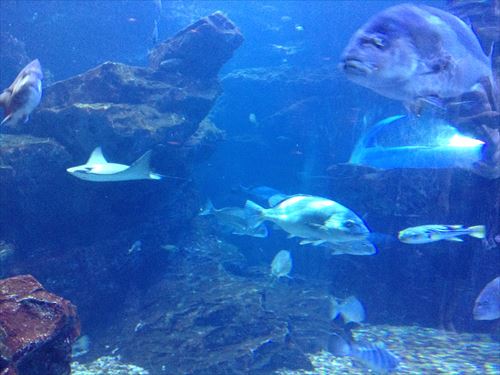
[(338, 346), (142, 167), (477, 231), (255, 214), (208, 209)]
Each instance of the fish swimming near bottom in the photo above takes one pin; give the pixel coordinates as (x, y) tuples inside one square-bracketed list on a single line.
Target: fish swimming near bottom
[(24, 94), (350, 309), (373, 356), (234, 218), (487, 305), (435, 232), (98, 169), (281, 265)]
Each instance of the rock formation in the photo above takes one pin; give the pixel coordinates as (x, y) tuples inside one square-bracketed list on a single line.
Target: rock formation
[(37, 329)]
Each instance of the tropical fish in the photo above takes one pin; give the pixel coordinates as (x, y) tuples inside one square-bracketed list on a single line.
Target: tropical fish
[(236, 219), (417, 53), (318, 220), (373, 356), (24, 94), (435, 232), (350, 309), (281, 265), (455, 150), (97, 169), (487, 306)]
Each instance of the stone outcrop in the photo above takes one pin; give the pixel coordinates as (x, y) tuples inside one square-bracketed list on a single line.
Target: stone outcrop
[(37, 329)]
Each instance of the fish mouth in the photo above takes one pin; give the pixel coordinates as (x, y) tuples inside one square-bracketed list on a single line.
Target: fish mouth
[(355, 66)]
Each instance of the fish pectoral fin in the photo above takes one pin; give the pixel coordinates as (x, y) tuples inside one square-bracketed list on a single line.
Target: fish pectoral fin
[(6, 119), (454, 239), (312, 242)]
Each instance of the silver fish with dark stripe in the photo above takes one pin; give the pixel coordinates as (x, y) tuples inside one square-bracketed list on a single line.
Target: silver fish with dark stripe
[(372, 356)]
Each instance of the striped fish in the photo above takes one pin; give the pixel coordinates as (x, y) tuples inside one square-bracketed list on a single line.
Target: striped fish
[(372, 356), (435, 232)]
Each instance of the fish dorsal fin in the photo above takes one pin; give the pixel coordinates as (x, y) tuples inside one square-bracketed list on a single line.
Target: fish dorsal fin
[(96, 157), (141, 165)]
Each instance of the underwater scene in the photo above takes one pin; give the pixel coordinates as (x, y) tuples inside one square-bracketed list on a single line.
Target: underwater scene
[(249, 187)]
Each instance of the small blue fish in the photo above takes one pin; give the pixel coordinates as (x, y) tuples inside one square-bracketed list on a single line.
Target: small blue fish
[(434, 232), (372, 356)]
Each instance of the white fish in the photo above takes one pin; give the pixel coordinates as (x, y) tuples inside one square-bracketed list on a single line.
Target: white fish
[(97, 169), (435, 232), (80, 346), (281, 265), (24, 94), (350, 309), (318, 220)]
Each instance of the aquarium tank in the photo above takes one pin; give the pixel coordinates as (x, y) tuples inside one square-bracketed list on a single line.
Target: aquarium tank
[(249, 187)]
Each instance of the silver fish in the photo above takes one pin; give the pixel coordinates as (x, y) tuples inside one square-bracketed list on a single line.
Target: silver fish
[(281, 265), (23, 95), (98, 169), (318, 220), (373, 356), (435, 232), (487, 305), (417, 53), (234, 218), (350, 309)]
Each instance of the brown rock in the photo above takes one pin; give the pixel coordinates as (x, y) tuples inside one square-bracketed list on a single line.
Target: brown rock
[(37, 329)]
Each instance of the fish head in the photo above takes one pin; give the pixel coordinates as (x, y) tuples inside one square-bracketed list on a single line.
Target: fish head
[(83, 172), (415, 236), (346, 227), (380, 55), (487, 305)]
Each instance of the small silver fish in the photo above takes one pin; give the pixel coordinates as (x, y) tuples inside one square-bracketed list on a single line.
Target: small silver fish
[(281, 265), (487, 305), (350, 309), (435, 232), (373, 356), (136, 247)]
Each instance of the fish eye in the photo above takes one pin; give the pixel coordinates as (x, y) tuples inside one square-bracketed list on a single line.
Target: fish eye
[(349, 223)]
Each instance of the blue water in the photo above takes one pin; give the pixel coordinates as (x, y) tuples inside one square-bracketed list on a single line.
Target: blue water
[(294, 136)]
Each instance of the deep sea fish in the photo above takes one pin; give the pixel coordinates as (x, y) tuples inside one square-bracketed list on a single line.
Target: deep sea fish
[(318, 220), (372, 356), (454, 150), (23, 95), (97, 169), (417, 53), (281, 265), (236, 219), (487, 306), (436, 232), (350, 309)]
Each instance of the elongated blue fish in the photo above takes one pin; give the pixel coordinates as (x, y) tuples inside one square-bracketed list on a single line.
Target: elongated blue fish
[(433, 232), (372, 356)]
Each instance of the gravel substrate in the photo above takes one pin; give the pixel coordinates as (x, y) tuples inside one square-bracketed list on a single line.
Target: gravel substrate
[(423, 351)]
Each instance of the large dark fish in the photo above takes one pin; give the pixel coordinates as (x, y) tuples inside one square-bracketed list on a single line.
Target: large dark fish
[(487, 306), (418, 54), (24, 94)]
